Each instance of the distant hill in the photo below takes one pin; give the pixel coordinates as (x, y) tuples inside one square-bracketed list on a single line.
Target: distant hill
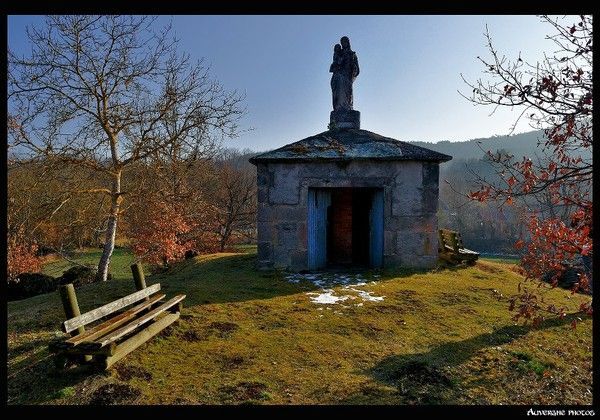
[(524, 144), (519, 145)]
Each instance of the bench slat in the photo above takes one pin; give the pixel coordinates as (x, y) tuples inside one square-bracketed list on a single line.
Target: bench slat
[(113, 323), (109, 308), (115, 335), (468, 251), (78, 350), (137, 340)]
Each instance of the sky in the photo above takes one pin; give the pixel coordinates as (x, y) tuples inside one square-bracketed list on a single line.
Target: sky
[(410, 70)]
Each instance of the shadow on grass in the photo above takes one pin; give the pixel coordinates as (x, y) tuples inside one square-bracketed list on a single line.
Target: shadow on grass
[(218, 278), (458, 352), (35, 380), (234, 278), (423, 378), (27, 347), (221, 279)]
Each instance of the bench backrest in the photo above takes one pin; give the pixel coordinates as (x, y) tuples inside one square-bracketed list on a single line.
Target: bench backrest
[(95, 314), (451, 239)]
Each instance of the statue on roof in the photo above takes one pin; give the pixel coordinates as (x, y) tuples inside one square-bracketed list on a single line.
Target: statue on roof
[(344, 69)]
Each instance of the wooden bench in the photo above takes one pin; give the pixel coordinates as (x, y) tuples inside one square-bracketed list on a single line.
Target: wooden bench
[(126, 329), (452, 250)]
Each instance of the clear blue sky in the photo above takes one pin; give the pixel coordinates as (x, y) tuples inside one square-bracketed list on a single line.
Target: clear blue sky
[(407, 87)]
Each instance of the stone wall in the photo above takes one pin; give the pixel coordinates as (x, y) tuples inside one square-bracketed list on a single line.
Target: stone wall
[(410, 208)]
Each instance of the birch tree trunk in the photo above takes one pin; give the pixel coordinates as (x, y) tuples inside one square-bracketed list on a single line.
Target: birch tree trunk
[(111, 229)]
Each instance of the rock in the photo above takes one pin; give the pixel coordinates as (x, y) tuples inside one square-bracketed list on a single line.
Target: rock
[(79, 276), (566, 280), (190, 253), (31, 284)]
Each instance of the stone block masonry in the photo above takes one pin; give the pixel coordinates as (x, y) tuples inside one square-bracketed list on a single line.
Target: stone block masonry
[(410, 191)]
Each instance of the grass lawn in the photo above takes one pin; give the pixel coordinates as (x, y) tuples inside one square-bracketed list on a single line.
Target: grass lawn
[(439, 337), (507, 260), (119, 266)]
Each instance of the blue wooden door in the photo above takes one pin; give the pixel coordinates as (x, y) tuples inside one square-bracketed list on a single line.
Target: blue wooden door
[(318, 201), (376, 230)]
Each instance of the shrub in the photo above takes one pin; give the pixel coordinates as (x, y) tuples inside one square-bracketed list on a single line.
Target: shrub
[(79, 276), (31, 284), (21, 257)]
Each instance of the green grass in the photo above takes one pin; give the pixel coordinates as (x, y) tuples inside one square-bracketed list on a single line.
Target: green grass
[(505, 260), (249, 337), (246, 248), (119, 267), (525, 362)]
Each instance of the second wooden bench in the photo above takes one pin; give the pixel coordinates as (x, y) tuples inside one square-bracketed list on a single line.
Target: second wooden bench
[(452, 249)]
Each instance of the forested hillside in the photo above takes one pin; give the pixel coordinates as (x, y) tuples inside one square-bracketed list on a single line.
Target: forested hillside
[(519, 145), (489, 227)]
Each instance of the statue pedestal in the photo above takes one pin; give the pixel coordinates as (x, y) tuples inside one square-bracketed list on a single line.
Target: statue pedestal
[(345, 119)]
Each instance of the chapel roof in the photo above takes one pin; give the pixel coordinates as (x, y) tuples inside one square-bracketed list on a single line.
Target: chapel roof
[(346, 145)]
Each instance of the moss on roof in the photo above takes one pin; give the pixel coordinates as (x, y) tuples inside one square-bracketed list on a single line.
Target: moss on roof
[(349, 144)]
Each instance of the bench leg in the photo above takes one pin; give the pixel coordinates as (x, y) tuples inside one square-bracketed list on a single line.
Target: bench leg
[(84, 358), (63, 360), (177, 308), (60, 361), (101, 362)]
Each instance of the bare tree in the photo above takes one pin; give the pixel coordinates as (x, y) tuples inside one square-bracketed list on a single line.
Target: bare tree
[(236, 201), (96, 92), (555, 94)]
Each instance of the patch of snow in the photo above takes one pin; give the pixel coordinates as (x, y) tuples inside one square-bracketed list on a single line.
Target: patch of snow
[(368, 296), (327, 281), (328, 297)]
